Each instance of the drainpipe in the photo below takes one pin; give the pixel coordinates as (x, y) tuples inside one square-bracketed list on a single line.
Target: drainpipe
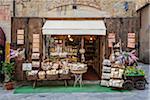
[(14, 8)]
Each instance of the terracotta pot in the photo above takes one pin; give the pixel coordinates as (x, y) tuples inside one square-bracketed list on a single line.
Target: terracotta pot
[(9, 86)]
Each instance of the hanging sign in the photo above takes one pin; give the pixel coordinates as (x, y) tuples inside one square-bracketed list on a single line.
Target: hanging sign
[(26, 66), (131, 40), (20, 36), (36, 43), (111, 39)]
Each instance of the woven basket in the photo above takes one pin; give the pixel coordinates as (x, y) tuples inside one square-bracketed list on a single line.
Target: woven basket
[(52, 77), (32, 77), (65, 76)]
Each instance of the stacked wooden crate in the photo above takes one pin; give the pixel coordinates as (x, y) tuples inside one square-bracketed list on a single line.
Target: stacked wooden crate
[(106, 73), (33, 75), (117, 71)]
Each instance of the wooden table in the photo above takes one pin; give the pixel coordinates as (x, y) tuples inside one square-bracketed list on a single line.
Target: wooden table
[(62, 77)]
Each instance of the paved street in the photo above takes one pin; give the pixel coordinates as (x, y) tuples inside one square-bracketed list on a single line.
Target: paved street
[(133, 95)]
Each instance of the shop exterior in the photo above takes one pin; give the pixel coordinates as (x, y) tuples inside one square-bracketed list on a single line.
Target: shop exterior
[(39, 32), (53, 45), (67, 35)]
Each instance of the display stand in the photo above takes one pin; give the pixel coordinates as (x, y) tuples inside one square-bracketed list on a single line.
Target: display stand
[(117, 69), (78, 76)]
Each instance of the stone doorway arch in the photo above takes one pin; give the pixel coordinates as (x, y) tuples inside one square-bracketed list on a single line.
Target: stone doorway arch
[(83, 9)]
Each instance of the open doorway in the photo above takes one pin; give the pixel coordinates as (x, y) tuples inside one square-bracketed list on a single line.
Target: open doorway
[(91, 55)]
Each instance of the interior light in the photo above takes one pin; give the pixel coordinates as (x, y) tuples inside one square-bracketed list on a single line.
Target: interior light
[(69, 36), (91, 38), (71, 39)]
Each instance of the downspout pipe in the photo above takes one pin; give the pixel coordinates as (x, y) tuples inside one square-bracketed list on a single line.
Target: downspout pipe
[(14, 8)]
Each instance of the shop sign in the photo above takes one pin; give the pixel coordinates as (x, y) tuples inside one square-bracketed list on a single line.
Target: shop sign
[(131, 40), (26, 66), (111, 39)]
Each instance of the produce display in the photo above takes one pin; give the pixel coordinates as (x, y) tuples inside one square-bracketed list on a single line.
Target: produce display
[(133, 71), (58, 68), (124, 71), (63, 57)]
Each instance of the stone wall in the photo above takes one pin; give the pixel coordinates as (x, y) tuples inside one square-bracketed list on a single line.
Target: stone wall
[(40, 8), (46, 8)]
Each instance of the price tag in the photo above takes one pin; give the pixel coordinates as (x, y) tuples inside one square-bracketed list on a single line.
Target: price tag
[(27, 66)]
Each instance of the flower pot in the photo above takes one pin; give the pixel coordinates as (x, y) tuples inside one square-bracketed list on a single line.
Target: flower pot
[(9, 85)]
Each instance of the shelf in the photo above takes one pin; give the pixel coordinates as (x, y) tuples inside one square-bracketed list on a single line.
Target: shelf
[(106, 72), (105, 79), (118, 67), (116, 78)]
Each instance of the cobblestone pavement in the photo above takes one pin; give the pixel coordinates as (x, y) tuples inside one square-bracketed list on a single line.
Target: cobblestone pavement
[(133, 95)]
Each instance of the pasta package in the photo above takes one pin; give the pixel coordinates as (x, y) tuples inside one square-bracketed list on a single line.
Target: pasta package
[(105, 83), (116, 83), (35, 55), (35, 64), (106, 76)]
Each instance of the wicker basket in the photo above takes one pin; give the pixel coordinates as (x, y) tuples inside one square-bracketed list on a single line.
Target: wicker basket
[(32, 77), (65, 76), (81, 71), (52, 77)]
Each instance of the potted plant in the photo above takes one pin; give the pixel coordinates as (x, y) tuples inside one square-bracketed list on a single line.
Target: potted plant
[(8, 70)]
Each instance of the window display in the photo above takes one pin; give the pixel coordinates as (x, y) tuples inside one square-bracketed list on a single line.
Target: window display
[(60, 48)]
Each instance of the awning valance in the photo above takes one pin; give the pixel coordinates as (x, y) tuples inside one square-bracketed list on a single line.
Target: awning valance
[(70, 27)]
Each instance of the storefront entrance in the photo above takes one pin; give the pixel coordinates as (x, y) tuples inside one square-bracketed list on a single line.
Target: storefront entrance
[(71, 45), (84, 38)]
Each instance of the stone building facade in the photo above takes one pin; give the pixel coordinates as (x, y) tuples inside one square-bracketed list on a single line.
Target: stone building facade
[(55, 8)]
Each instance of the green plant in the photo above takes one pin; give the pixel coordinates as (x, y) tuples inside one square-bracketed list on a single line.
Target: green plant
[(8, 70)]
